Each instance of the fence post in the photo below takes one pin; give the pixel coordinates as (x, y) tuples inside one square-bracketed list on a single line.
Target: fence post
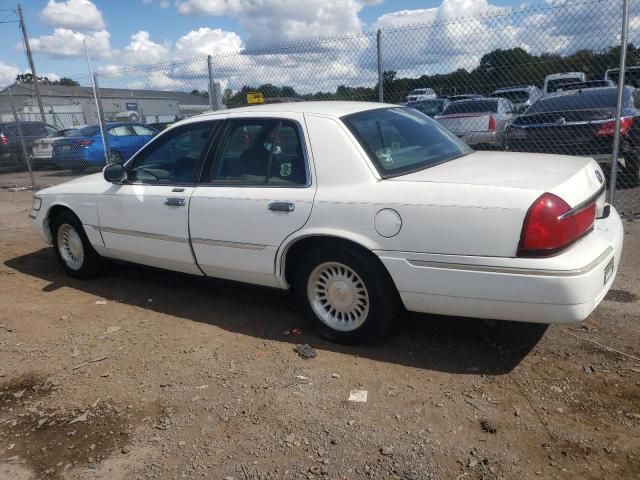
[(212, 92), (101, 122), (616, 132), (22, 145), (380, 70)]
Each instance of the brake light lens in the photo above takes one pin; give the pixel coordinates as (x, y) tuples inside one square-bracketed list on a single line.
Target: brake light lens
[(608, 128), (551, 226), (4, 140), (492, 123), (83, 143)]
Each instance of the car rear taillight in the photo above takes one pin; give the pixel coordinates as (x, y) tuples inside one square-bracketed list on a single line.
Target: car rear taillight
[(551, 225), (608, 128), (492, 123), (4, 140), (83, 143)]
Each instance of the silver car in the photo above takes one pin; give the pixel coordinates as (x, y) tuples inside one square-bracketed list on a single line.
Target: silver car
[(522, 97), (481, 122)]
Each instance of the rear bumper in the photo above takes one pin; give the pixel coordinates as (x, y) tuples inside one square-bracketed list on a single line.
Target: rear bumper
[(481, 138), (561, 289)]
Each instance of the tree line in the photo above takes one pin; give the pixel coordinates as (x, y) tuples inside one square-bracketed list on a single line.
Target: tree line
[(497, 69)]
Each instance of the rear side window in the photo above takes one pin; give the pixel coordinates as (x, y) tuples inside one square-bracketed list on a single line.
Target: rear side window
[(402, 140), (143, 131), (120, 131), (88, 131), (261, 152), (473, 106)]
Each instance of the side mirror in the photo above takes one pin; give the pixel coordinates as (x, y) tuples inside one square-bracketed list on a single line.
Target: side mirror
[(114, 173)]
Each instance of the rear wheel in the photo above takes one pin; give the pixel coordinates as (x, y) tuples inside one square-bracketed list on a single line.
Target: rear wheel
[(347, 297), (72, 247)]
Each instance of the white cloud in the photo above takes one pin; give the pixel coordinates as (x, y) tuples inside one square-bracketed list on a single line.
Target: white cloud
[(8, 73), (68, 43), (207, 41), (73, 14), (165, 4), (143, 50), (53, 77), (270, 22)]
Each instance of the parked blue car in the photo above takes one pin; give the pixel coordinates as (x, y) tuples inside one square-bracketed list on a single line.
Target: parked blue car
[(85, 149)]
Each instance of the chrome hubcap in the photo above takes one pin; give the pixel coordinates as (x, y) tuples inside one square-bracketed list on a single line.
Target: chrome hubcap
[(338, 296), (70, 246)]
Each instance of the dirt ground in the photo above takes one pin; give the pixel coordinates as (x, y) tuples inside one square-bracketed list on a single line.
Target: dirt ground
[(149, 374)]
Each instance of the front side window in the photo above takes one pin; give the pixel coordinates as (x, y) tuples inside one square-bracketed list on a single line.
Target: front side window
[(173, 157), (261, 151), (402, 140)]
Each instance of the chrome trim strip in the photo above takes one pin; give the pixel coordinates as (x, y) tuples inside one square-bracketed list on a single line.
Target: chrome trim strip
[(136, 233), (589, 200), (515, 270), (222, 243), (33, 216)]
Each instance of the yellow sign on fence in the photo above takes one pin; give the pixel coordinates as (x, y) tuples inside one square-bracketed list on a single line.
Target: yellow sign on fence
[(255, 97)]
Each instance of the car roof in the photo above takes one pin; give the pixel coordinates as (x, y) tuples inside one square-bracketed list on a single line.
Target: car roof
[(514, 89), (328, 108), (583, 91)]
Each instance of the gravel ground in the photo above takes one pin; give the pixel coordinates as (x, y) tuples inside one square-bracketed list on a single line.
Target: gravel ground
[(149, 374)]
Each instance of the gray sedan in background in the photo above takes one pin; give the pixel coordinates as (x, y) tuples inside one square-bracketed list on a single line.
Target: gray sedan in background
[(480, 123)]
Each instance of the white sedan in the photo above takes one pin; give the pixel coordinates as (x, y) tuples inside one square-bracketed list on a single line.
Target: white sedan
[(361, 208)]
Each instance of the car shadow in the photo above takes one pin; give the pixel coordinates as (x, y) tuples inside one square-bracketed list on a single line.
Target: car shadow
[(431, 342)]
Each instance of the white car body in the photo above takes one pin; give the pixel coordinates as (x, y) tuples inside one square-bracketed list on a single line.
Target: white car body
[(421, 94), (448, 235)]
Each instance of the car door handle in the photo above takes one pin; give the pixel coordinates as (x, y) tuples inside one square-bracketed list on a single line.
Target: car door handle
[(175, 202), (282, 207)]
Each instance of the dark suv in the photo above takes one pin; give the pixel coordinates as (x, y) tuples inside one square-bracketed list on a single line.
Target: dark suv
[(581, 122), (11, 156)]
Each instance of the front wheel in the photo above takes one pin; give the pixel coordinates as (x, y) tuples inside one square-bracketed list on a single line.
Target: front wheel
[(347, 297), (72, 247)]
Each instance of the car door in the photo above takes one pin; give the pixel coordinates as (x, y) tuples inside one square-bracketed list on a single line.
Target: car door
[(145, 219), (257, 190)]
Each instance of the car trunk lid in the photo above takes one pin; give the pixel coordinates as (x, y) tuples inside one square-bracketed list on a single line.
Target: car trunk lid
[(574, 179), (462, 123)]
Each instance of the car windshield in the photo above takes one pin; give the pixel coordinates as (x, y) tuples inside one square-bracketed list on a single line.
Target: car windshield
[(87, 131), (419, 91), (577, 100), (471, 106), (430, 107), (403, 140), (516, 96)]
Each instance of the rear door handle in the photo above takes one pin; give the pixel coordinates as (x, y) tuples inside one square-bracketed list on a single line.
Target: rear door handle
[(282, 207), (175, 202)]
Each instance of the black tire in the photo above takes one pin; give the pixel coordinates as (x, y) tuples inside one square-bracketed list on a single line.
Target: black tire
[(92, 263), (632, 172), (381, 293)]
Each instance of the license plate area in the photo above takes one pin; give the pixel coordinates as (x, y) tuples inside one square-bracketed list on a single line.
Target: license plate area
[(608, 271)]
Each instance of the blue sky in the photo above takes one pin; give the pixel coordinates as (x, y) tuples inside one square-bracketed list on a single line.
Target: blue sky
[(165, 24), (129, 33)]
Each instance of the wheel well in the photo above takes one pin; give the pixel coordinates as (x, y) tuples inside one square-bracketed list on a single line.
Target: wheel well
[(296, 251), (57, 210)]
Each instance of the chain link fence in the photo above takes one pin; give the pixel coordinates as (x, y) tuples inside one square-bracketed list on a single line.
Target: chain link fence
[(536, 79)]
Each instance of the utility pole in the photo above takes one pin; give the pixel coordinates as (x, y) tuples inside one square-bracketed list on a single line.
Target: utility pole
[(34, 75)]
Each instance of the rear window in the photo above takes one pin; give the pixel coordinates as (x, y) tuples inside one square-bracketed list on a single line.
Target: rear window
[(578, 100), (474, 106), (430, 107), (88, 131), (554, 85), (516, 96), (402, 140)]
